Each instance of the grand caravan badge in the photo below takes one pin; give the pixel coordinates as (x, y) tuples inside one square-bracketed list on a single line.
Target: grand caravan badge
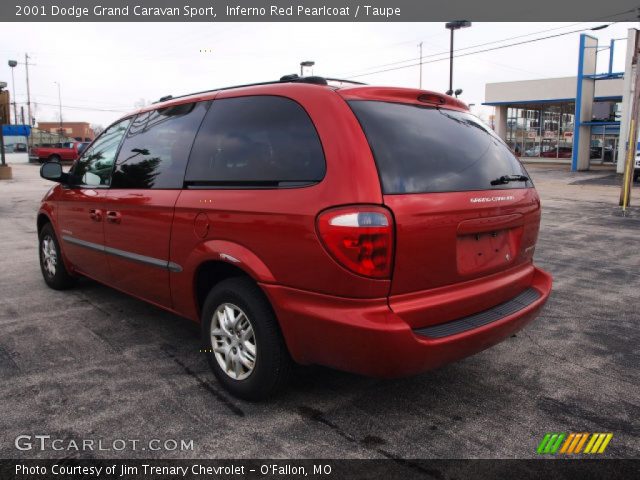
[(504, 198)]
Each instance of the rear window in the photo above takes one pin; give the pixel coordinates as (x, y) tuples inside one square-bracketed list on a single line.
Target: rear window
[(425, 149), (256, 141)]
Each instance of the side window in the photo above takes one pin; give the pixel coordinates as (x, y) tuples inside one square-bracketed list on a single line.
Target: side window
[(155, 151), (259, 141), (94, 167)]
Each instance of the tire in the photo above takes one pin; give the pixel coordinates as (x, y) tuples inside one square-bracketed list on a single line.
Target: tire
[(54, 158), (258, 327), (636, 176), (52, 267)]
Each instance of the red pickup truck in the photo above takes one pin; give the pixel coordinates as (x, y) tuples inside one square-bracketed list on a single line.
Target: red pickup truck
[(68, 151)]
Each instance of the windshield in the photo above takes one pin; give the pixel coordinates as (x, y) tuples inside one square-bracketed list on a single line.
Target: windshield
[(421, 149)]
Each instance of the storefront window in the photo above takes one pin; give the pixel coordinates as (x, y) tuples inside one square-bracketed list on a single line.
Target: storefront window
[(544, 130)]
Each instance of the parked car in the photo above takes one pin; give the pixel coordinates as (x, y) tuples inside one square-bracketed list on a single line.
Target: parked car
[(596, 152), (382, 231), (533, 151), (68, 151), (560, 152)]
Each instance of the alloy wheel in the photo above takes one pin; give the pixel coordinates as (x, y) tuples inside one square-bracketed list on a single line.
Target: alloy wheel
[(233, 341), (49, 256)]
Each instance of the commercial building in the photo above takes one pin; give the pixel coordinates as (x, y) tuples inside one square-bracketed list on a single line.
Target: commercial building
[(579, 120), (537, 117), (80, 131)]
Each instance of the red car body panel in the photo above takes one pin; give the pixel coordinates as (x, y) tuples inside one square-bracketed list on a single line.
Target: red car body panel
[(139, 222), (367, 337), (433, 229), (328, 314), (82, 210)]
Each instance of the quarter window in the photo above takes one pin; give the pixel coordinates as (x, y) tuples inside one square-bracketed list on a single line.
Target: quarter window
[(256, 141), (94, 167), (155, 151)]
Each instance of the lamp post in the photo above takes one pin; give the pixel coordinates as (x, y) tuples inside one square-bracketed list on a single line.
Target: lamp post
[(59, 108), (13, 64), (306, 63), (455, 25), (3, 163)]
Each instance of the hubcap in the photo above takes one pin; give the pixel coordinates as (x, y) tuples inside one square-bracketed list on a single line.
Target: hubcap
[(233, 341), (49, 256)]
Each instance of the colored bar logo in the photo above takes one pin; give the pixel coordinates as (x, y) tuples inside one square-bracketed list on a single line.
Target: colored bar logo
[(574, 443)]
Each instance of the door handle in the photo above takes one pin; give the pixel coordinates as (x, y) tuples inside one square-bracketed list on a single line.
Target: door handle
[(95, 215), (113, 216)]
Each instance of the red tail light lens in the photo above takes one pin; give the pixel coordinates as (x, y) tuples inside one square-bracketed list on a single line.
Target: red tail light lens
[(360, 238)]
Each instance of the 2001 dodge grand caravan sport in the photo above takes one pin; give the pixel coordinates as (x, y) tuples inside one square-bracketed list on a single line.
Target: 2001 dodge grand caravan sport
[(383, 231)]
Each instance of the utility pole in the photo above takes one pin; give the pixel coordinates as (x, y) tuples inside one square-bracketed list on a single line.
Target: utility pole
[(59, 109), (420, 46), (26, 65)]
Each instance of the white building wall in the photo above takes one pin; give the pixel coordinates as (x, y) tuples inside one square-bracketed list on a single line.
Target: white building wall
[(547, 89)]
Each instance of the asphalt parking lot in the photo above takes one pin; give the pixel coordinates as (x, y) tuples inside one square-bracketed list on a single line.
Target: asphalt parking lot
[(94, 363)]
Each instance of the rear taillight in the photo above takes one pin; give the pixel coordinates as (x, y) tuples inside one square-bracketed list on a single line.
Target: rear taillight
[(360, 238)]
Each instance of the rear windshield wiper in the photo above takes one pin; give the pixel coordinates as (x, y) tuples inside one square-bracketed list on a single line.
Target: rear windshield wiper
[(509, 178)]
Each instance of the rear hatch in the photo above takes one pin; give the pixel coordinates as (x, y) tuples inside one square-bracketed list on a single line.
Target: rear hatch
[(465, 211)]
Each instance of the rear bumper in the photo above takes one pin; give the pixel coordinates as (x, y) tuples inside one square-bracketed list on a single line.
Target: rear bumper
[(365, 336)]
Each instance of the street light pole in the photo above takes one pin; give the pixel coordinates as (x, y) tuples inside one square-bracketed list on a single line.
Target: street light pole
[(451, 62), (12, 64), (455, 25), (306, 63), (3, 162)]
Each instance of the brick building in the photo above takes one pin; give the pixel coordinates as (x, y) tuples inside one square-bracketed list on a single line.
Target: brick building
[(79, 130)]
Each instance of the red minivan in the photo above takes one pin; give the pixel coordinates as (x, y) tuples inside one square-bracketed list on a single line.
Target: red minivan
[(382, 231)]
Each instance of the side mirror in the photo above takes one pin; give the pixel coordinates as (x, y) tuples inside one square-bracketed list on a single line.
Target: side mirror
[(53, 171)]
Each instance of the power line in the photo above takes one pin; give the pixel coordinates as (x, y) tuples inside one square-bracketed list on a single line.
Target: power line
[(476, 46), (76, 107), (472, 53), (608, 17), (105, 104)]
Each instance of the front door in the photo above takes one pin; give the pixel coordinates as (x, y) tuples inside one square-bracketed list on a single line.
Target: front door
[(81, 210), (147, 180)]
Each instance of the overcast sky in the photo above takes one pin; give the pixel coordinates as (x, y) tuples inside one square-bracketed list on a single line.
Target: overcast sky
[(104, 69)]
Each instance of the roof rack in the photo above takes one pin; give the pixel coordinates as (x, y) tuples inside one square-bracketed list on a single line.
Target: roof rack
[(292, 78)]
